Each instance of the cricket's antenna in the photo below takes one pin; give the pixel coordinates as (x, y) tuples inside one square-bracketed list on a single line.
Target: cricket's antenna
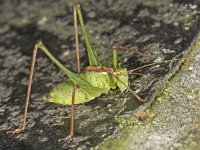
[(134, 50), (151, 64)]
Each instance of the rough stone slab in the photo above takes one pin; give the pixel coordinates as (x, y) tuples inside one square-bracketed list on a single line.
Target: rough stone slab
[(174, 120)]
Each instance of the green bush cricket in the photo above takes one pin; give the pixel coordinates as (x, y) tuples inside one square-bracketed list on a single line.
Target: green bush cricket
[(80, 87)]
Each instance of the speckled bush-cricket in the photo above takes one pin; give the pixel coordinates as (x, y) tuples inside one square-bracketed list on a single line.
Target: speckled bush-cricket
[(80, 87)]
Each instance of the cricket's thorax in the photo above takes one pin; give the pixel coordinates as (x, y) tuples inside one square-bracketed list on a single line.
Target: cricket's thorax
[(102, 76), (96, 68), (99, 82)]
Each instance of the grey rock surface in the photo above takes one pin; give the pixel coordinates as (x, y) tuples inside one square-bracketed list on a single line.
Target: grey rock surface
[(165, 30), (173, 122)]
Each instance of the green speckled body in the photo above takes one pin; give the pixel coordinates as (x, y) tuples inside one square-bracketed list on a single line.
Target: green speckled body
[(99, 83)]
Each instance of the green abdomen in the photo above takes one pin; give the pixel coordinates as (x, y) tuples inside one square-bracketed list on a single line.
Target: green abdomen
[(99, 83)]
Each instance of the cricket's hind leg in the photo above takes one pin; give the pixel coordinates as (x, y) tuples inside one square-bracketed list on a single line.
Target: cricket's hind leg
[(76, 39), (93, 59), (73, 76), (22, 127), (71, 135)]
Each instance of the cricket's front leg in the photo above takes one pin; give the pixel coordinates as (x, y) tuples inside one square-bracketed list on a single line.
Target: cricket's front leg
[(22, 127), (115, 66), (72, 117)]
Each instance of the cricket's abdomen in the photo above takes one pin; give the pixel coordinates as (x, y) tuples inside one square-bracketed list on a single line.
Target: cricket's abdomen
[(62, 94), (99, 83)]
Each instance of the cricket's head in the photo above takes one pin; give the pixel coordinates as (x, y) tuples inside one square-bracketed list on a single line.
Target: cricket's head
[(122, 78)]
